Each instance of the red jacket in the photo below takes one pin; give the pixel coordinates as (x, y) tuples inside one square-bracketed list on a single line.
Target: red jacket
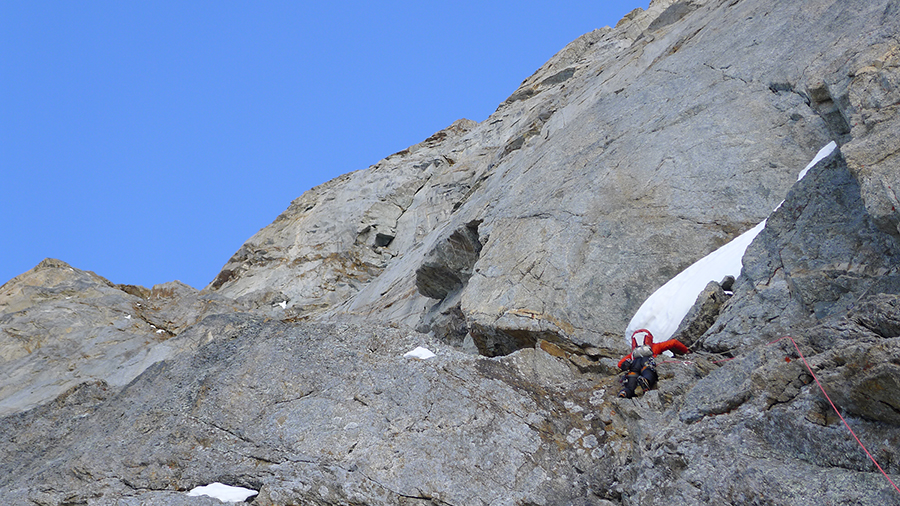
[(657, 348)]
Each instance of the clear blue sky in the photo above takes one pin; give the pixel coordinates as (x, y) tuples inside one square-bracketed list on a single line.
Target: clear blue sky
[(146, 141)]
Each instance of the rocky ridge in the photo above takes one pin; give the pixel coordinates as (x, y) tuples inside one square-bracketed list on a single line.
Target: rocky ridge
[(517, 249), (63, 326)]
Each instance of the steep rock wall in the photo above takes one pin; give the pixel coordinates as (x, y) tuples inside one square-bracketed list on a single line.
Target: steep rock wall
[(532, 235), (334, 413), (630, 154)]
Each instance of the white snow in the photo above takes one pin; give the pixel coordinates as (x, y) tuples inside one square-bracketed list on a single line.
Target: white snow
[(222, 492), (283, 304), (818, 158), (663, 311), (419, 353)]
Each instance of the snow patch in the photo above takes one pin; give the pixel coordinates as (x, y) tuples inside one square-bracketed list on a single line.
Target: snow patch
[(222, 492), (663, 311), (419, 353), (818, 158)]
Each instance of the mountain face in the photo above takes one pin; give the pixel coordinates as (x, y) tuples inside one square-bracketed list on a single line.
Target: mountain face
[(630, 154), (518, 249)]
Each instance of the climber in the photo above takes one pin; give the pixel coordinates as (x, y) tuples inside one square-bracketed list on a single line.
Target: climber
[(639, 366)]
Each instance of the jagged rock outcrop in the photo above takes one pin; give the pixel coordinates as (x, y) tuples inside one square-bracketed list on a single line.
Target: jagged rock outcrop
[(448, 266), (518, 249), (705, 312), (341, 235), (820, 253), (807, 276), (61, 326)]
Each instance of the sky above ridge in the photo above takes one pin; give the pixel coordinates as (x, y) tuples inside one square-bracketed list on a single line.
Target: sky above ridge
[(146, 141)]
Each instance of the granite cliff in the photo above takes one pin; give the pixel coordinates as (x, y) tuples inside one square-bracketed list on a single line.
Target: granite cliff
[(518, 249)]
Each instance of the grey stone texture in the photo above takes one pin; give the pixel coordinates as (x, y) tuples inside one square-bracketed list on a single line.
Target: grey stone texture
[(61, 326), (818, 256), (644, 146), (316, 414), (517, 249)]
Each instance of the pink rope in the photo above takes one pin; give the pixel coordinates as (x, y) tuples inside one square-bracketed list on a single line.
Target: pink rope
[(838, 412), (823, 393)]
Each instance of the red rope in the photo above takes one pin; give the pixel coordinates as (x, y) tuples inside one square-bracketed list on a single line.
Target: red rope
[(839, 413), (823, 393)]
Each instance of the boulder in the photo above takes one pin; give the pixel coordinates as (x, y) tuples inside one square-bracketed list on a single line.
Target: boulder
[(704, 313)]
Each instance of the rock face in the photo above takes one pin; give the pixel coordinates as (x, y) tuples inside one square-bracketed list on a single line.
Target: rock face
[(645, 146), (517, 249), (322, 414), (62, 326), (818, 256)]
